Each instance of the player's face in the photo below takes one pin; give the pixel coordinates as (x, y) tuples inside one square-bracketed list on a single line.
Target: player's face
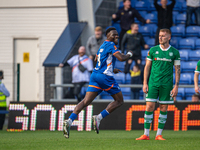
[(127, 4), (114, 36), (164, 38), (163, 2)]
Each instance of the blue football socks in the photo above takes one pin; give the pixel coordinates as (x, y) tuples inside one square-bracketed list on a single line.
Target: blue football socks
[(73, 116), (104, 113)]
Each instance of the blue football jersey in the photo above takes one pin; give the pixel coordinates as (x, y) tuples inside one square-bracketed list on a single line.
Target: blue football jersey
[(106, 59)]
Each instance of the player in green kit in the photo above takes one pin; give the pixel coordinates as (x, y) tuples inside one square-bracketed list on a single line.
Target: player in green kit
[(196, 77), (160, 59)]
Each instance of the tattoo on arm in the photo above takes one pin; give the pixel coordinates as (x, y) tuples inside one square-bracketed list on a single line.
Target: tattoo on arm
[(178, 72)]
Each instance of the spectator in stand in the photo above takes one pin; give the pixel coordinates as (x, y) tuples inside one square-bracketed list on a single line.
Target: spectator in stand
[(81, 69), (193, 6), (196, 97), (4, 93), (136, 78), (126, 15), (134, 41), (94, 42), (164, 16)]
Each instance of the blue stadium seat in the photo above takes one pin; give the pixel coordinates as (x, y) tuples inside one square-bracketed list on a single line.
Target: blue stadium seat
[(181, 18), (178, 7), (181, 93), (144, 54), (174, 41), (117, 26), (175, 13), (197, 43), (119, 77), (178, 31), (184, 6), (126, 91), (141, 5), (193, 31), (153, 29), (194, 55), (152, 17), (143, 13), (184, 55), (185, 78), (146, 38), (188, 66), (128, 78), (186, 43), (119, 65), (189, 92), (141, 95), (151, 42), (145, 30), (188, 98), (121, 5)]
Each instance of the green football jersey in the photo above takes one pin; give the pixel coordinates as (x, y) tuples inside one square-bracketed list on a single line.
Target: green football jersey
[(198, 67), (162, 64)]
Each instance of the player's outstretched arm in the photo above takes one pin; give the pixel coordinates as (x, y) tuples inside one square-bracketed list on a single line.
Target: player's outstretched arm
[(146, 75), (122, 57), (196, 79), (174, 92)]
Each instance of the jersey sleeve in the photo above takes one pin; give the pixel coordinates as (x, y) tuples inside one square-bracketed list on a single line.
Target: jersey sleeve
[(177, 60), (114, 50), (198, 67), (149, 55)]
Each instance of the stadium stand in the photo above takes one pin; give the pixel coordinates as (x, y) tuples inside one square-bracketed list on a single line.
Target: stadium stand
[(189, 66), (193, 31), (178, 31), (180, 18), (185, 78), (152, 17), (151, 42), (194, 55), (197, 43), (145, 30), (184, 54), (186, 43), (141, 5), (120, 77)]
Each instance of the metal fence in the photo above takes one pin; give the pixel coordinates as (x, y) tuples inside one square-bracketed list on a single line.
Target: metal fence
[(98, 99)]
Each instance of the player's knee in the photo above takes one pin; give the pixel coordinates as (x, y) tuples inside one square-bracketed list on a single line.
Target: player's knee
[(149, 107), (120, 102)]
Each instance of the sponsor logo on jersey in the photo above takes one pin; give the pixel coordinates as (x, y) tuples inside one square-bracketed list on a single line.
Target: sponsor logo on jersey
[(170, 54), (163, 59), (157, 52)]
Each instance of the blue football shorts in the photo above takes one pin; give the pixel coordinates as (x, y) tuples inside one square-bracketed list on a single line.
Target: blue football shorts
[(100, 82)]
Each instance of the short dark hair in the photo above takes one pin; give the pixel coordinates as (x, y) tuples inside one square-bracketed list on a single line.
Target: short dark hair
[(1, 74), (137, 66), (110, 29), (125, 0), (166, 30)]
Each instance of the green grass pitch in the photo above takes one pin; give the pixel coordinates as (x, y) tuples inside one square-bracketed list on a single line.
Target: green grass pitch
[(107, 139)]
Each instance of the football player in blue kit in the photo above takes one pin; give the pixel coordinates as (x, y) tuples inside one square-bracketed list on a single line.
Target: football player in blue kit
[(102, 80)]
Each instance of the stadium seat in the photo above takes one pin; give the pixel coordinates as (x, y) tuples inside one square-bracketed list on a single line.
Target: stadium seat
[(152, 17), (119, 77), (174, 41), (186, 43), (117, 26), (143, 13), (185, 78), (126, 91), (184, 54), (152, 7), (193, 31), (194, 55), (145, 30), (153, 29), (181, 93), (119, 65), (181, 18), (184, 6), (188, 66), (189, 92), (197, 43), (146, 38), (178, 7), (141, 95), (121, 5), (128, 78), (178, 31), (141, 5), (188, 98), (151, 42), (174, 13), (144, 54)]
